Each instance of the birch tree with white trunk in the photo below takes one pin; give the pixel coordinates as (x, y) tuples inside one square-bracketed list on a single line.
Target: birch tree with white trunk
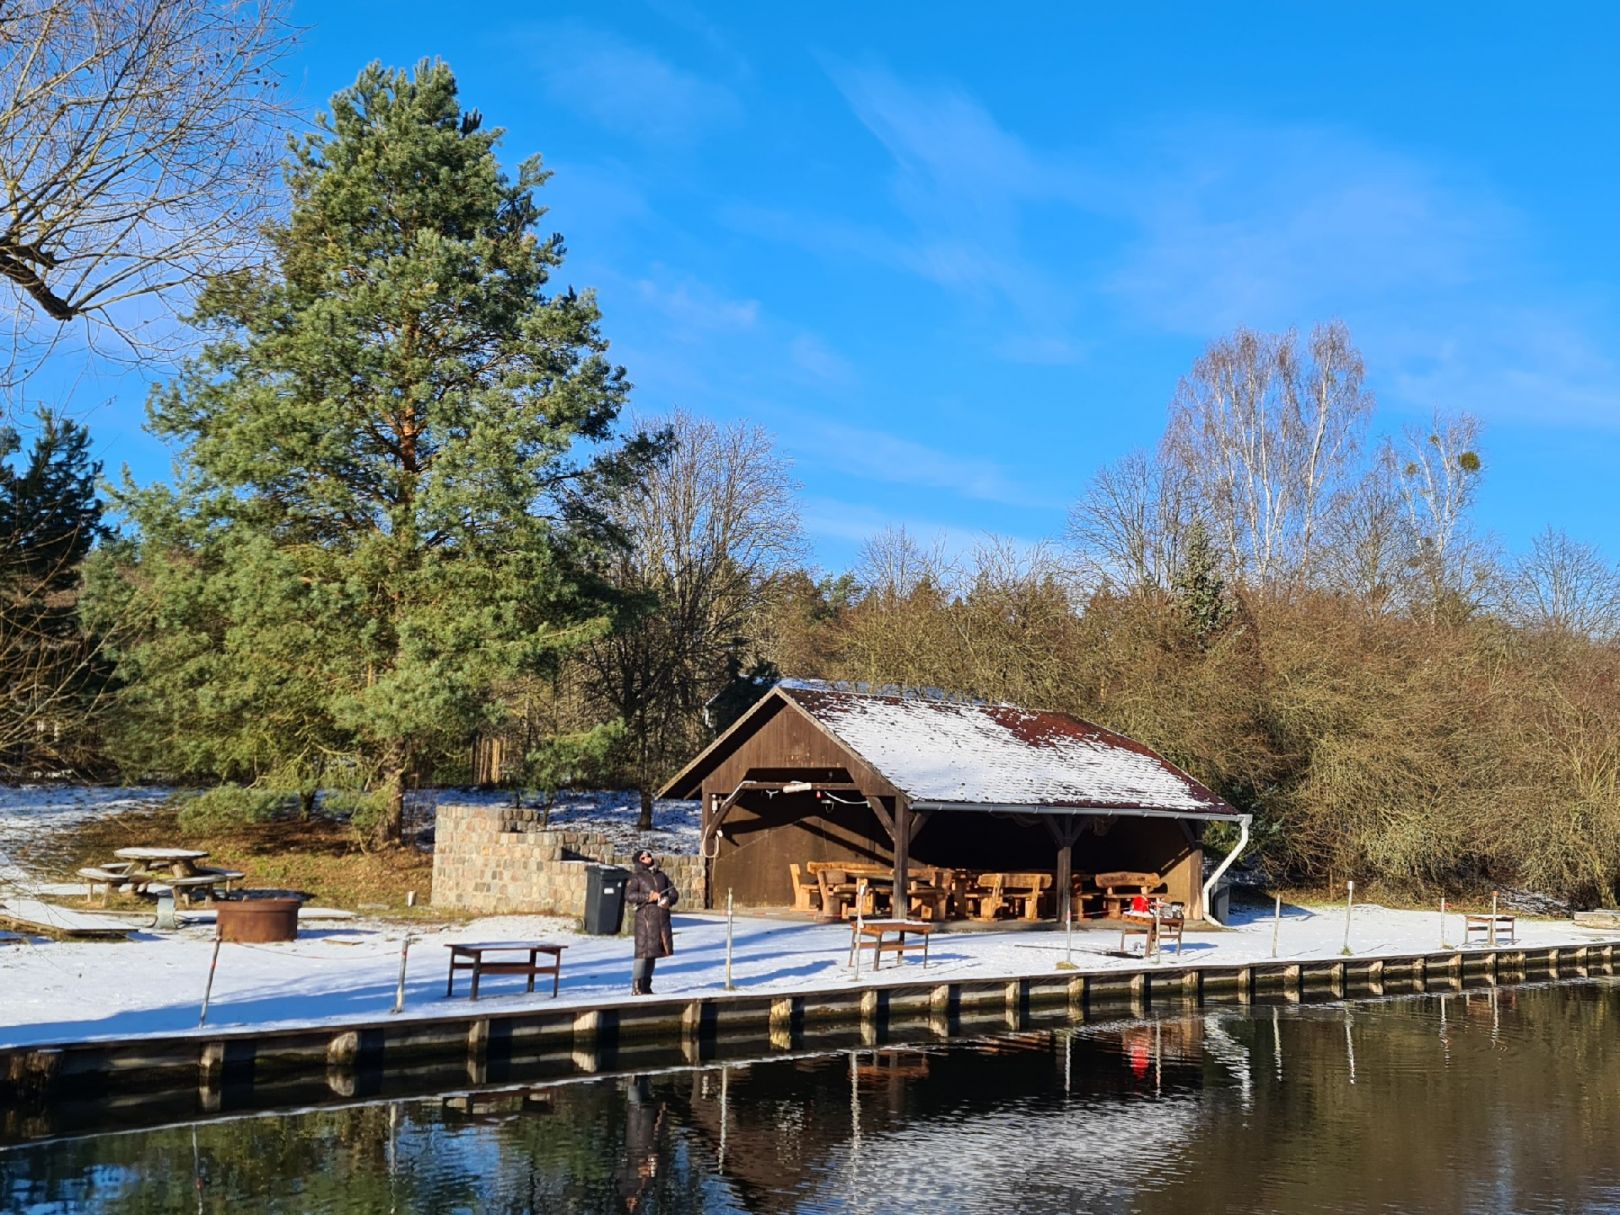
[(1264, 432)]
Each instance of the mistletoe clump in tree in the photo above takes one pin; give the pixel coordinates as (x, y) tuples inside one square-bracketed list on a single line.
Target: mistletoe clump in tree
[(381, 511)]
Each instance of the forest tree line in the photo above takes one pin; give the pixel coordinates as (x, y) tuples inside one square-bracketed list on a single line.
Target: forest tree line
[(411, 509)]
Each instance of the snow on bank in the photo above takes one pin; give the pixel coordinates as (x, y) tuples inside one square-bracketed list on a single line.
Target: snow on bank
[(152, 984), (32, 815), (612, 812)]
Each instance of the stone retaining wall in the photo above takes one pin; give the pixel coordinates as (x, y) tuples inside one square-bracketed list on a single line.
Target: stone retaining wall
[(497, 859)]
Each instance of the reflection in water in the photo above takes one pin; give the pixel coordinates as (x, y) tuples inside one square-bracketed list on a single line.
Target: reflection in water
[(1496, 1100)]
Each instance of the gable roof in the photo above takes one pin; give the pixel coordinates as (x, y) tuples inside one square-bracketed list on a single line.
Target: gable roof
[(976, 756)]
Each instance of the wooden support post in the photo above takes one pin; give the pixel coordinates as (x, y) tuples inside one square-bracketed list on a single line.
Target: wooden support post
[(212, 1064), (782, 1023), (1015, 1004), (1294, 982), (871, 1006), (1064, 834), (1077, 996), (1375, 977), (1420, 974), (1245, 985), (1063, 894), (477, 1040), (901, 905)]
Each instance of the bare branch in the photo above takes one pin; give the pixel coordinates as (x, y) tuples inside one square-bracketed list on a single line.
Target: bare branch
[(138, 149)]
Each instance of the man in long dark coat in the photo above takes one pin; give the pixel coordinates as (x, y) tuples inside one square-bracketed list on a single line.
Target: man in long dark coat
[(652, 894)]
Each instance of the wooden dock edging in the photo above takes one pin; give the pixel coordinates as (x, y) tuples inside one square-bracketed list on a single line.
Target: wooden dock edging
[(349, 1058)]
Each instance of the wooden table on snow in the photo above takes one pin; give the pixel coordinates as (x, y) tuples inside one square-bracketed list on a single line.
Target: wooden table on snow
[(1490, 929), (470, 956), (877, 930), (1159, 930)]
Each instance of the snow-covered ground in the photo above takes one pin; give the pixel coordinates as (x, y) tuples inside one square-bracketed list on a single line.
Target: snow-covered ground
[(345, 971), (32, 815), (612, 812)]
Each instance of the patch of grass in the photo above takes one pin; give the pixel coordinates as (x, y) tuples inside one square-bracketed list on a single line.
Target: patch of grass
[(320, 856)]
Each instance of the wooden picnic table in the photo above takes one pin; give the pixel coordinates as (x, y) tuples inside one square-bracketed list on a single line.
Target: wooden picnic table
[(157, 871), (470, 956), (878, 932), (181, 862)]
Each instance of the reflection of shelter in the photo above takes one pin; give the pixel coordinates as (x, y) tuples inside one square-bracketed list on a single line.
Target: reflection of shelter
[(797, 1134), (914, 794)]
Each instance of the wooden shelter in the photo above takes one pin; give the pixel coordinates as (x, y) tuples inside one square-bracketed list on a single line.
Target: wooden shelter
[(821, 773)]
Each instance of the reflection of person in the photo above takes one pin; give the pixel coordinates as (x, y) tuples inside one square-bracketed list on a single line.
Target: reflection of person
[(652, 894), (644, 1115)]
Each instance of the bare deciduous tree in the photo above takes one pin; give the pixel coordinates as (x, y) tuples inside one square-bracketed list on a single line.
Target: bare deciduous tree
[(1565, 586), (709, 528), (1367, 544), (1126, 531), (1437, 471), (138, 141), (1264, 433)]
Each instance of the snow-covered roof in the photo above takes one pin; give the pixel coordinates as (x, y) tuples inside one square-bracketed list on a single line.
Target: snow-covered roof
[(973, 755)]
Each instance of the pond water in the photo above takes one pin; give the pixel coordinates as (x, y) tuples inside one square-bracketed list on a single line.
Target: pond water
[(1485, 1101)]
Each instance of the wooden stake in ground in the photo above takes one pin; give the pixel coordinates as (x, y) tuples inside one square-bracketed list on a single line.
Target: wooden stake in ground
[(399, 994), (1349, 902), (1443, 944), (1276, 927), (209, 990), (730, 920), (860, 922)]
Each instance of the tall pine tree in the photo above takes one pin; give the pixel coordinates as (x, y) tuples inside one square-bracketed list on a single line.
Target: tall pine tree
[(382, 511)]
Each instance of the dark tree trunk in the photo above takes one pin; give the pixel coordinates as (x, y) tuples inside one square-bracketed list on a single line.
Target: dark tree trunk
[(644, 823)]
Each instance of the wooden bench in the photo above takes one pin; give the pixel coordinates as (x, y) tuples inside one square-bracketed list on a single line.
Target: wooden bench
[(806, 889), (1490, 928), (879, 932), (113, 877), (927, 900), (1023, 892), (470, 956)]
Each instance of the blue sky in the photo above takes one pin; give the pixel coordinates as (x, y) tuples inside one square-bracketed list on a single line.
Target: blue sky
[(956, 257)]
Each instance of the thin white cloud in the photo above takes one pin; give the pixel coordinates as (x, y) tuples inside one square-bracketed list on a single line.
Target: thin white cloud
[(1049, 351), (1222, 223), (856, 523), (694, 306), (961, 183), (811, 354), (629, 89), (876, 455), (1261, 226)]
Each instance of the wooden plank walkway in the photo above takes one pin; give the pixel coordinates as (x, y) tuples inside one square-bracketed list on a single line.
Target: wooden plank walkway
[(61, 921)]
